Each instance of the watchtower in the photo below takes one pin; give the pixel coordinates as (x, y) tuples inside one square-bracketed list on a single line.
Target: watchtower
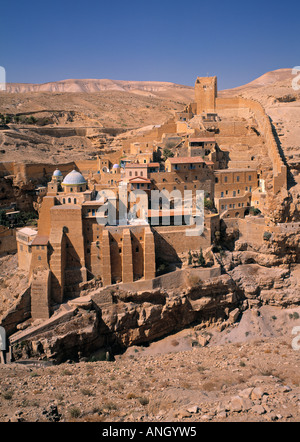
[(206, 94)]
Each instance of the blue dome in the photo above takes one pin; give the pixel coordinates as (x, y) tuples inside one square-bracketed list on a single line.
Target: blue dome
[(116, 166), (75, 178), (57, 172)]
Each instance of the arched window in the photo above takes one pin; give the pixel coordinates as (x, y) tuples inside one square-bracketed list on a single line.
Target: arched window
[(69, 200), (75, 200), (64, 200)]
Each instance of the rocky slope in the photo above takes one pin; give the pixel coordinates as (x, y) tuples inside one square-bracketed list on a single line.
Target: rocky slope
[(245, 373)]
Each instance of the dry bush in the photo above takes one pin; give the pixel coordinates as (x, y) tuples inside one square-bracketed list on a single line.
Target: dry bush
[(131, 396), (194, 281)]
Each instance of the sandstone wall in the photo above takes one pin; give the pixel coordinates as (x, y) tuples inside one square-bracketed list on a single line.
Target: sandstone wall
[(251, 230), (279, 168), (169, 281), (8, 243)]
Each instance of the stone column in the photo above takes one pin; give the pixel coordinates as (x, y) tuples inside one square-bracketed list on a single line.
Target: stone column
[(149, 254), (105, 259), (127, 266)]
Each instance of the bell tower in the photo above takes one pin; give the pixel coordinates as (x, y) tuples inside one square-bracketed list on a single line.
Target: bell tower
[(206, 94)]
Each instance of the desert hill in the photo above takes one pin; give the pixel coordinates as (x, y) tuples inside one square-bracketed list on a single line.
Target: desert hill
[(277, 78), (146, 88)]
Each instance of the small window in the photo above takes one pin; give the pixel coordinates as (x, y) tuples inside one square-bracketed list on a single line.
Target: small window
[(249, 178), (237, 178), (39, 258), (225, 179), (137, 249), (69, 200)]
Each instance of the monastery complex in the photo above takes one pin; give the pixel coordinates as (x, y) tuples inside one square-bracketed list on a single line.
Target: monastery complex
[(224, 147)]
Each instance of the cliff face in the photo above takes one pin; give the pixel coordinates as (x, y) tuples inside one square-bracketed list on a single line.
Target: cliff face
[(140, 318)]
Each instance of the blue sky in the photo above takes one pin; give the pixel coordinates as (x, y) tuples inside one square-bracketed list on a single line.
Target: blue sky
[(148, 40)]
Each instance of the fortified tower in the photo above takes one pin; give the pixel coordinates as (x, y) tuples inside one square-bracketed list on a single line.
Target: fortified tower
[(206, 94)]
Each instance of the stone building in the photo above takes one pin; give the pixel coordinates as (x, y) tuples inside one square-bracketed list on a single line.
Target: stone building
[(77, 241)]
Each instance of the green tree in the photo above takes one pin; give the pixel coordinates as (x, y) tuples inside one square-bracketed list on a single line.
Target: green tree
[(3, 219), (167, 153), (208, 203), (201, 260), (190, 259)]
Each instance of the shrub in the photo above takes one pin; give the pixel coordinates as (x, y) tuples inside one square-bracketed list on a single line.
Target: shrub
[(66, 372), (131, 396), (194, 281), (208, 203), (86, 392), (144, 401), (75, 412), (8, 394), (267, 236)]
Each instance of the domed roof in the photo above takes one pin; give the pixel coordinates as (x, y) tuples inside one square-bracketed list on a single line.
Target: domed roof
[(116, 166), (75, 178), (57, 172)]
